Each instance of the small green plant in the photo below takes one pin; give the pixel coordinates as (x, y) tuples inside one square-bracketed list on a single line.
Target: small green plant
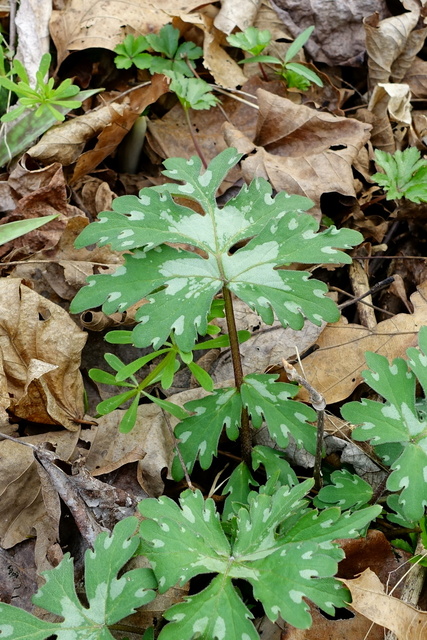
[(254, 41), (405, 174), (181, 285), (174, 57), (109, 598), (43, 97), (12, 230), (397, 429)]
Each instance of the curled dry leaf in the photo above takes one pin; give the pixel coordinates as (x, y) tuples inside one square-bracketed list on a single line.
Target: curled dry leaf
[(226, 72), (25, 503), (301, 150), (369, 599), (40, 352), (232, 14), (335, 368), (392, 45)]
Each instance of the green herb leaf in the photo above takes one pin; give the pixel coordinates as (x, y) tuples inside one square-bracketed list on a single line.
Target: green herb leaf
[(109, 598), (396, 421), (251, 39), (298, 43), (181, 285), (199, 434), (405, 174), (346, 491)]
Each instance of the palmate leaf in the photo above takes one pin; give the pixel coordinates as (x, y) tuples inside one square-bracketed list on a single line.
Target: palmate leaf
[(398, 423), (109, 599), (180, 285), (281, 571)]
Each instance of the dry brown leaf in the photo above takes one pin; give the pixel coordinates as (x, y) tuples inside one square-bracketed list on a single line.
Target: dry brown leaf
[(121, 123), (392, 45), (369, 599), (40, 353), (83, 24), (416, 77), (299, 149), (22, 497), (335, 368), (267, 345), (338, 37)]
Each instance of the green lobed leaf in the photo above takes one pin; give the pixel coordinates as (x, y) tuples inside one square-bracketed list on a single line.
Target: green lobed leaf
[(238, 488), (274, 464), (396, 421), (269, 400), (199, 434), (182, 542), (405, 174), (180, 285), (346, 491), (216, 613), (251, 39), (109, 598)]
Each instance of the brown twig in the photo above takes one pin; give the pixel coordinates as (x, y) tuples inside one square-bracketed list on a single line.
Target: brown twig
[(319, 404)]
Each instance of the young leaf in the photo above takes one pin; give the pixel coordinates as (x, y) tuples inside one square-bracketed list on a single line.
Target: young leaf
[(180, 285), (193, 93), (127, 423), (346, 491), (305, 72), (238, 489), (199, 434), (395, 421), (298, 43), (109, 598), (269, 400), (405, 174), (12, 230), (251, 39)]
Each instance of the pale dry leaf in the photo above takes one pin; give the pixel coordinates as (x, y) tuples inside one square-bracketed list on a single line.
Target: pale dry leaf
[(41, 373), (392, 45), (32, 26), (232, 14), (123, 118), (65, 142), (23, 500), (226, 72), (335, 368), (267, 345), (301, 150), (369, 599)]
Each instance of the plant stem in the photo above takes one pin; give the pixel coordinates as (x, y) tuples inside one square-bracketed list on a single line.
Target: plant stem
[(263, 73), (194, 139), (245, 429)]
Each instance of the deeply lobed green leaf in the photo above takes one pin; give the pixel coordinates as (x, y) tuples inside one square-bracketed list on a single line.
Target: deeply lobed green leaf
[(180, 285)]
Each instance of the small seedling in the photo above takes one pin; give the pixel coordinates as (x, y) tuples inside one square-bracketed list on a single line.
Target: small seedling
[(295, 74), (405, 174), (174, 57), (43, 97)]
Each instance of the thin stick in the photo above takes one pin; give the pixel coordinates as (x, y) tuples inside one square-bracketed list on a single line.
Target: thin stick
[(319, 404), (376, 287), (178, 452), (231, 95), (194, 139)]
